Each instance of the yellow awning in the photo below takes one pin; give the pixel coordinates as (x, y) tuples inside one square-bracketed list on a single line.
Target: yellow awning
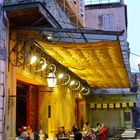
[(99, 63)]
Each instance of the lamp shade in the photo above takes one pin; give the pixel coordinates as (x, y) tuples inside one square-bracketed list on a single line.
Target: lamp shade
[(51, 79)]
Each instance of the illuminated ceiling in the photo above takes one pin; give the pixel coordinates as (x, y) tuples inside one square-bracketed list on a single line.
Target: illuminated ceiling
[(99, 63)]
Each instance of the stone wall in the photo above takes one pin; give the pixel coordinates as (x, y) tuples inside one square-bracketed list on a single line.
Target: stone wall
[(3, 69)]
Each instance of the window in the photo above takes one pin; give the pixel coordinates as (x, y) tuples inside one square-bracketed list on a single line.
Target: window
[(107, 22), (127, 116), (49, 111), (87, 2)]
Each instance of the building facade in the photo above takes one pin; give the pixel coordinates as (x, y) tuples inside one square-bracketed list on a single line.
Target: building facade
[(103, 108), (26, 98)]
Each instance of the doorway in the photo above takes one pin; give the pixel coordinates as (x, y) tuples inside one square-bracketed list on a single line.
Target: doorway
[(21, 106), (26, 106)]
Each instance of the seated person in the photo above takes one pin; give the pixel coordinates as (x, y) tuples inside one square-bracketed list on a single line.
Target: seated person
[(61, 132), (41, 135), (29, 130), (88, 132), (24, 134), (97, 130), (78, 136)]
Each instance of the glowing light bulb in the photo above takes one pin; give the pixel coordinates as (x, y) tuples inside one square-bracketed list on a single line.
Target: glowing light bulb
[(60, 76), (44, 66), (72, 83), (33, 59)]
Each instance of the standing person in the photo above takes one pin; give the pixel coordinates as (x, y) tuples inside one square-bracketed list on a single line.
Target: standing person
[(75, 129), (61, 132), (102, 134), (76, 132)]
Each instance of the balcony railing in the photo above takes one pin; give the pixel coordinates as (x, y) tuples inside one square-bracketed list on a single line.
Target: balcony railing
[(88, 2)]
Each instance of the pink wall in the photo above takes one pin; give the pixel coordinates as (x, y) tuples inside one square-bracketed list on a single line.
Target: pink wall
[(93, 18)]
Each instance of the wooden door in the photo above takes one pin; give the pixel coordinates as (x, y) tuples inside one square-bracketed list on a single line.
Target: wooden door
[(80, 112), (32, 107)]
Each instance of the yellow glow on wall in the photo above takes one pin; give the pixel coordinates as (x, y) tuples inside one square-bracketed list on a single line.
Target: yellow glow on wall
[(62, 102)]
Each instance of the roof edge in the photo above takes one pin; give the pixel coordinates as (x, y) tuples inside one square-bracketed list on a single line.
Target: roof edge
[(104, 5), (72, 30), (20, 6)]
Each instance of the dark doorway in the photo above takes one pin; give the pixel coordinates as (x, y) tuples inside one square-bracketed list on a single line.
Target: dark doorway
[(26, 106), (21, 106)]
